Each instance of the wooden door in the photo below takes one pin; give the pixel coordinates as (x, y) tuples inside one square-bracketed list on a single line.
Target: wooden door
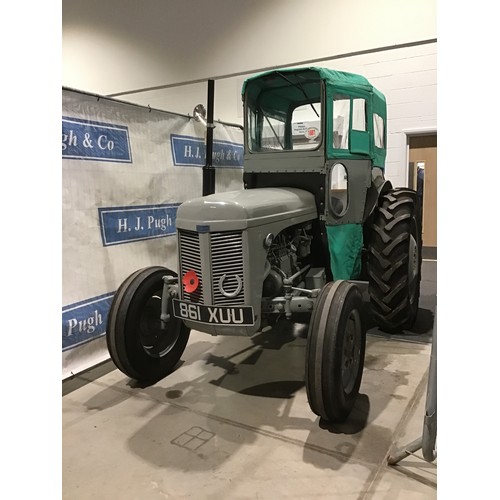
[(423, 157)]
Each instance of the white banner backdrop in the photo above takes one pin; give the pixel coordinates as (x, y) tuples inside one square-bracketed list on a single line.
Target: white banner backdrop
[(125, 170)]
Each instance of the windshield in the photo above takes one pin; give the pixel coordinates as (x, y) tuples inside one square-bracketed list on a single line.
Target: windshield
[(284, 112)]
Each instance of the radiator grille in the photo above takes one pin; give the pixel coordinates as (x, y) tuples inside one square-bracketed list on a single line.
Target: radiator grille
[(190, 260), (227, 259)]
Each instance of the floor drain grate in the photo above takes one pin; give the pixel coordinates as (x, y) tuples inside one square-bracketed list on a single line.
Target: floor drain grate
[(193, 439)]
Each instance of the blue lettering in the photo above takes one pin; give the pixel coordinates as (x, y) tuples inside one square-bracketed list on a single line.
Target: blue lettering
[(80, 136)]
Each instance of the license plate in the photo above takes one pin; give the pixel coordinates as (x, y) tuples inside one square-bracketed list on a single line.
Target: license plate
[(214, 315)]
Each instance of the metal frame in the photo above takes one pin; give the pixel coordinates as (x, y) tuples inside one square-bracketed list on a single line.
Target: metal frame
[(427, 442)]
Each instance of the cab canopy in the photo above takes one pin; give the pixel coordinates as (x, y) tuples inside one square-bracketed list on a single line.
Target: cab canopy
[(347, 112)]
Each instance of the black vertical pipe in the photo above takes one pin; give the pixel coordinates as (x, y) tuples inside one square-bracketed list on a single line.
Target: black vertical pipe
[(208, 169)]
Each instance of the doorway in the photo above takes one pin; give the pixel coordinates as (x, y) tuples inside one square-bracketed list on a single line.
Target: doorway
[(423, 178)]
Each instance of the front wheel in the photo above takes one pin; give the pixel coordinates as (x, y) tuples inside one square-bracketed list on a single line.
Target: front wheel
[(335, 351), (139, 343)]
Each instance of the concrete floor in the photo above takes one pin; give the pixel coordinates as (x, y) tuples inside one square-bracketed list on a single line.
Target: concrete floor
[(233, 422)]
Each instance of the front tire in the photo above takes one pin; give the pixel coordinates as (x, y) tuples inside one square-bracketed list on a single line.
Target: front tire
[(335, 351), (395, 261), (139, 344)]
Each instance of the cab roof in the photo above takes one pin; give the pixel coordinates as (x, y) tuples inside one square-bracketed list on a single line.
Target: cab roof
[(296, 77)]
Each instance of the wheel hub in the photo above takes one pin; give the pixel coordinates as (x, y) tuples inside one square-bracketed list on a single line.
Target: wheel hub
[(413, 259), (351, 351), (413, 265), (156, 337)]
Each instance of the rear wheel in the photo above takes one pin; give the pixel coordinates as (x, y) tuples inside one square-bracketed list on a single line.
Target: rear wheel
[(139, 343), (335, 351), (394, 261)]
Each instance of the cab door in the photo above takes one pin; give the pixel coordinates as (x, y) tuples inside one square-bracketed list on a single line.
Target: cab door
[(348, 164)]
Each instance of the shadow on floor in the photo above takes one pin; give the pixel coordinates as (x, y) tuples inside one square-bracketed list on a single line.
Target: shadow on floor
[(244, 392), (243, 388)]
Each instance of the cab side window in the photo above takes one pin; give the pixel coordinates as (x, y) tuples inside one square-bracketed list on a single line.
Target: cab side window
[(378, 131), (338, 190), (341, 115), (359, 114), (350, 124)]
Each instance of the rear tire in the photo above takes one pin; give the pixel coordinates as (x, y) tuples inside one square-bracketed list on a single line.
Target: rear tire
[(394, 261), (139, 345), (335, 351)]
